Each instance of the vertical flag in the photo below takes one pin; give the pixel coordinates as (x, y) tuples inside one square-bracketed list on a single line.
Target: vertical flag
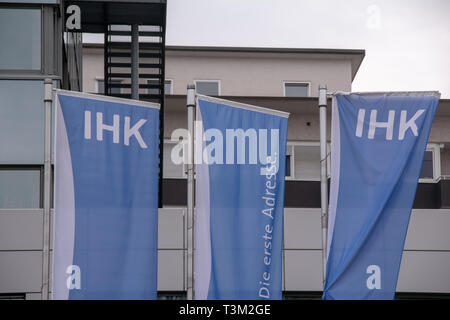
[(106, 198), (378, 145), (240, 171)]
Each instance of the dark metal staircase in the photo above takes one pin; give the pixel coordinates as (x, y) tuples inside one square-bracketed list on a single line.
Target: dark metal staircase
[(118, 70), (114, 18)]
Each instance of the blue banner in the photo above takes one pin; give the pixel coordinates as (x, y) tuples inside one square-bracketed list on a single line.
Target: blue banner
[(240, 171), (378, 145), (106, 198)]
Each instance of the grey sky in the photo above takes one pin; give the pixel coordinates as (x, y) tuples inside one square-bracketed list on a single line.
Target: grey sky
[(407, 42)]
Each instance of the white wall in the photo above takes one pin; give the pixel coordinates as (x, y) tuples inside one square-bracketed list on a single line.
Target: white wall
[(425, 264), (240, 75), (257, 76)]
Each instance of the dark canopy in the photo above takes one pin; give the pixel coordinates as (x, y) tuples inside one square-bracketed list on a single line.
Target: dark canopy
[(96, 14)]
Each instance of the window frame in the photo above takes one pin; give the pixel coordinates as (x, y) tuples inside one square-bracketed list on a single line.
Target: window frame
[(218, 81), (308, 83), (28, 80)]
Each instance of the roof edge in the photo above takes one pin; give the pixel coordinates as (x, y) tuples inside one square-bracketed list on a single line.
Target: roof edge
[(253, 49)]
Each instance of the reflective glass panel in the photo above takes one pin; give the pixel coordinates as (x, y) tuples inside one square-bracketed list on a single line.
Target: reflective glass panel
[(20, 38), (19, 189), (21, 122)]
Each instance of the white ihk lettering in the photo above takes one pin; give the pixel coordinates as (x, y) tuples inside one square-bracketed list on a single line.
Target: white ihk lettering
[(374, 280), (74, 279), (87, 124), (134, 131), (115, 129), (404, 124), (128, 130), (411, 124), (389, 125)]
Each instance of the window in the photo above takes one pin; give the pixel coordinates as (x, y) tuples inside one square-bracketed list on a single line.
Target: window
[(208, 87), (20, 38), (296, 89), (431, 165), (427, 166), (303, 161), (22, 121), (307, 162), (20, 188), (101, 86), (168, 87)]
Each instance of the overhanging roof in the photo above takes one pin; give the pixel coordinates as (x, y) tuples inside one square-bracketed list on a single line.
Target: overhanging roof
[(96, 14), (356, 56)]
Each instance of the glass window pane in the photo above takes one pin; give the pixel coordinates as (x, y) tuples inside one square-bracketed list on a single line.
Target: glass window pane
[(22, 122), (19, 189), (307, 162), (100, 86), (288, 166), (208, 88), (427, 166), (20, 36), (296, 89)]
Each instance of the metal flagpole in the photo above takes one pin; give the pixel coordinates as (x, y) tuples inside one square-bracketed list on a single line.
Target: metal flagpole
[(48, 100), (190, 192), (323, 174), (135, 62)]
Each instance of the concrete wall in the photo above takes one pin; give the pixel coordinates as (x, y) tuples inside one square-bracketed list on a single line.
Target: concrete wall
[(257, 76), (425, 264), (93, 68)]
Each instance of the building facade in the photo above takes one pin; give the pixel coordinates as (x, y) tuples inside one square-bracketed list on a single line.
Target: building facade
[(288, 80), (34, 50)]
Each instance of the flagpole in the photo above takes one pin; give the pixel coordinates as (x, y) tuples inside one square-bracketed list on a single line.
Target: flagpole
[(46, 267), (190, 191), (323, 175)]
